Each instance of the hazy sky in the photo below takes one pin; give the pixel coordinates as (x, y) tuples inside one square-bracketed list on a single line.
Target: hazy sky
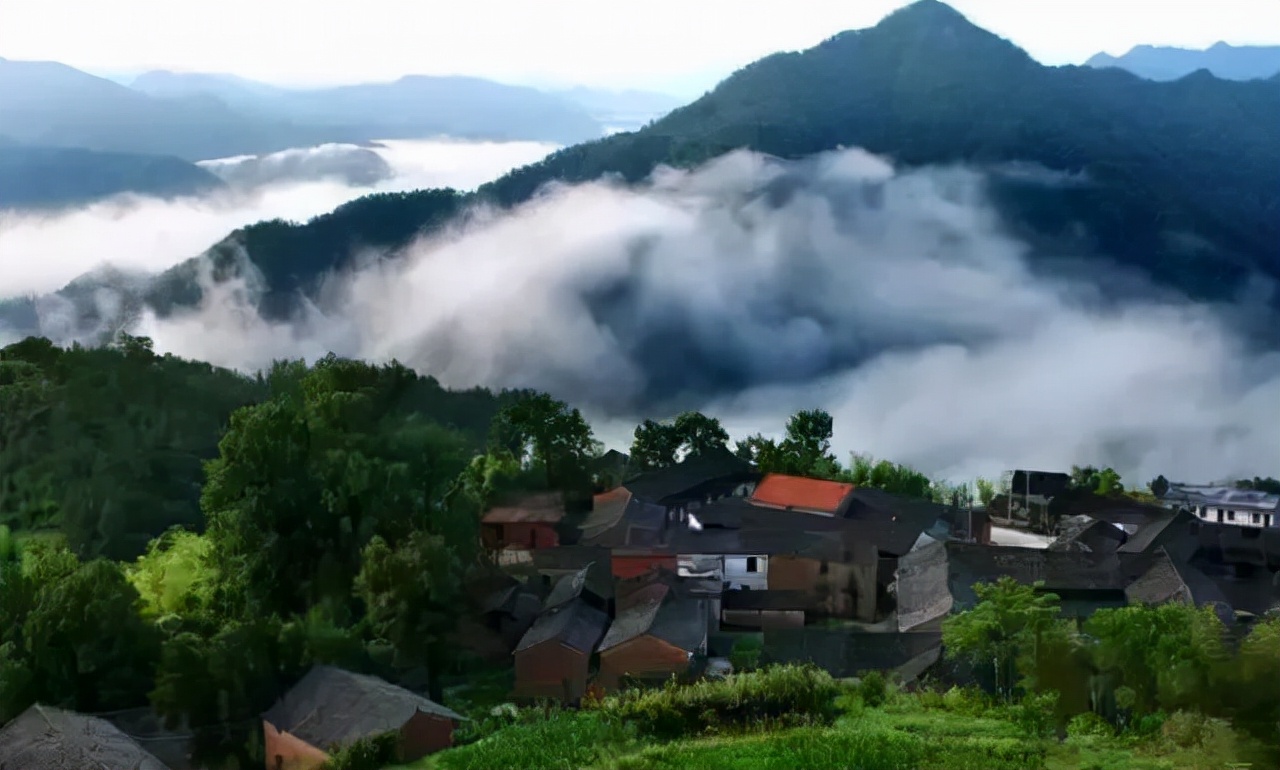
[(677, 45)]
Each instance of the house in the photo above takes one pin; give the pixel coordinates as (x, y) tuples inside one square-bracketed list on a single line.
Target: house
[(847, 652), (1030, 493), (530, 522), (331, 708), (507, 607), (1163, 580), (553, 658), (655, 635), (46, 738), (1084, 582), (698, 479), (1225, 505), (1176, 532)]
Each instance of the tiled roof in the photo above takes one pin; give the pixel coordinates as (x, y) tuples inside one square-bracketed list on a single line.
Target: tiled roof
[(670, 483), (546, 508), (577, 625), (1160, 532), (46, 738), (333, 707), (781, 491), (655, 610)]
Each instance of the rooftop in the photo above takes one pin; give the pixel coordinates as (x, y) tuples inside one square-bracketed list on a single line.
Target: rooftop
[(1221, 496), (334, 707), (800, 493), (656, 611), (46, 738), (544, 508), (577, 625), (684, 478)]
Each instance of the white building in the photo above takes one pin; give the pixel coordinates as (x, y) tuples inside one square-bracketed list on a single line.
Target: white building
[(1226, 505)]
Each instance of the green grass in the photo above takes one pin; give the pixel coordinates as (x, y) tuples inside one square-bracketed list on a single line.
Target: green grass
[(909, 732)]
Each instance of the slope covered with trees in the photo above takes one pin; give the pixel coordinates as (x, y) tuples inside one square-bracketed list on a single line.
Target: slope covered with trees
[(46, 177)]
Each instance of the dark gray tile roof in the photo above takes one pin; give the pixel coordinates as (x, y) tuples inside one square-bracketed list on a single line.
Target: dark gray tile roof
[(1059, 570), (1087, 534), (572, 586), (892, 522), (656, 611), (577, 625), (847, 652), (1163, 532), (333, 707), (665, 484), (46, 738)]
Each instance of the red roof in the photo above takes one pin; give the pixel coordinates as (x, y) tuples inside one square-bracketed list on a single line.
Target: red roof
[(797, 492), (535, 509)]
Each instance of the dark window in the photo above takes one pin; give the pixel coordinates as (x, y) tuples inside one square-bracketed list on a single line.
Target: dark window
[(823, 568), (1231, 515), (753, 564)]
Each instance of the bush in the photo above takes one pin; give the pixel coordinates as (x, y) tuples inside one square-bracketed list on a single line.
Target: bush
[(873, 688), (966, 700), (987, 753), (862, 748), (779, 695), (1089, 725), (1186, 729), (1036, 714), (373, 753), (539, 742), (745, 655)]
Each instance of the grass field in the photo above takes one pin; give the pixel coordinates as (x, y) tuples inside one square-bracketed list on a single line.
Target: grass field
[(906, 732)]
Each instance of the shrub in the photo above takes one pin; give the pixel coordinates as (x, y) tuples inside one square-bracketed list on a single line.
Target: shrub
[(1089, 725), (373, 753), (873, 688), (778, 695), (988, 753), (1036, 714), (1186, 729), (964, 700), (745, 655), (540, 742)]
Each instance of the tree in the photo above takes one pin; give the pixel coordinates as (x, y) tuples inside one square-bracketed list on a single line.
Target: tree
[(865, 471), (412, 594), (808, 443), (986, 491), (655, 445), (544, 432), (1004, 630), (1105, 482), (1159, 486), (663, 444), (1269, 485)]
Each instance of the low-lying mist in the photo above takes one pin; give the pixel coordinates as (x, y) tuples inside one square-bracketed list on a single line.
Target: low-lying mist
[(751, 288), (42, 252)]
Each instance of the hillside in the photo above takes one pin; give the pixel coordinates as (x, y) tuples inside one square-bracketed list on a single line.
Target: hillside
[(47, 177), (1167, 63), (1170, 191)]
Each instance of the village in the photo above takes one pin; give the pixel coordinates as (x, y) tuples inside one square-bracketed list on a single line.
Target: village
[(681, 571)]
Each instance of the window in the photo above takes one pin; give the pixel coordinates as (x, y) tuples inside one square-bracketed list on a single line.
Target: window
[(753, 564), (1267, 520), (823, 567), (1256, 518), (1231, 515)]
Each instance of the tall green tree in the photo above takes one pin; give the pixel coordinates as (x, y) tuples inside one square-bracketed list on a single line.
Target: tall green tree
[(412, 594), (663, 444), (1005, 631), (550, 435)]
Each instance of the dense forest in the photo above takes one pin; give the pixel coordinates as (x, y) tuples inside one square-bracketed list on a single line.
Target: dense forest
[(927, 87)]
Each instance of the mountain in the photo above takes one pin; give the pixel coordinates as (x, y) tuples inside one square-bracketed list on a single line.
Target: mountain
[(1182, 179), (412, 107), (49, 177), (1167, 63), (201, 117), (626, 110)]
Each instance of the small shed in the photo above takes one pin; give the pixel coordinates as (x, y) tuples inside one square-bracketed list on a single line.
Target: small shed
[(553, 659), (655, 635), (331, 708), (531, 522)]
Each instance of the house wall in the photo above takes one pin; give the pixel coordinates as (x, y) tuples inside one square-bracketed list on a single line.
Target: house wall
[(287, 752), (644, 656), (425, 734), (532, 535), (1239, 516), (633, 566), (739, 573), (551, 670), (841, 591)]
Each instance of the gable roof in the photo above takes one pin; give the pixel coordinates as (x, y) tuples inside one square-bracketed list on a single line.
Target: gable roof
[(47, 738), (892, 522), (1222, 497), (576, 624), (333, 707), (1085, 533), (663, 484), (543, 508), (970, 563), (778, 490), (1160, 532), (655, 610), (572, 586), (1165, 580)]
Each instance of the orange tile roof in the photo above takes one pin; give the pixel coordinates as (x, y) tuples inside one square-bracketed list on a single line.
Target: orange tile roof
[(780, 491)]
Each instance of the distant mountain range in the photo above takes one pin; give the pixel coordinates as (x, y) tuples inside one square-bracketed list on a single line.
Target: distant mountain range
[(192, 117), (45, 177), (1225, 61), (1181, 180)]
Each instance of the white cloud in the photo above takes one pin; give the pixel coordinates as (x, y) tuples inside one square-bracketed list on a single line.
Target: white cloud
[(752, 289), (42, 252)]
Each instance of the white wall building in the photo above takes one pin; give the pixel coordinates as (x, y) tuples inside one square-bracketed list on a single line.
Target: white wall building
[(1226, 505)]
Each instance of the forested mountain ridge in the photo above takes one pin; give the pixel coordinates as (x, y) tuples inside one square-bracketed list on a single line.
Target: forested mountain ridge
[(1181, 179), (48, 177), (1245, 62)]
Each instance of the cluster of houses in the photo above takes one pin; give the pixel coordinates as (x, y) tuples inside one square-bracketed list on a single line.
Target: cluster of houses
[(670, 571)]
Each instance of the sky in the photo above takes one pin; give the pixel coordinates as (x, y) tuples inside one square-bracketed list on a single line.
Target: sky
[(676, 46)]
